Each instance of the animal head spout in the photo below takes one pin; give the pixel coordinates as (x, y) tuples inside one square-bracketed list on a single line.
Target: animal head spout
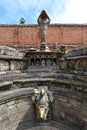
[(42, 112)]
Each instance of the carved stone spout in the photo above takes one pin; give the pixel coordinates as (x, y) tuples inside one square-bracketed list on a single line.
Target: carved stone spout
[(42, 111), (42, 98)]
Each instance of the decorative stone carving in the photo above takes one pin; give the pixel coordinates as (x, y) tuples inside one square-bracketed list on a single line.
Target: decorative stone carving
[(41, 99), (48, 62), (80, 65), (43, 21), (43, 62), (55, 46), (62, 65), (16, 65), (4, 65), (5, 50), (71, 65)]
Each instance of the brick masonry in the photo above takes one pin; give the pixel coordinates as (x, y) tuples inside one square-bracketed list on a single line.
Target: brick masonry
[(73, 34)]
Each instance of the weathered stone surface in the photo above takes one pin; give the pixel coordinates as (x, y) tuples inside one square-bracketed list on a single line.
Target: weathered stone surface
[(77, 52), (65, 75), (5, 83), (17, 110), (2, 73), (5, 50), (4, 65)]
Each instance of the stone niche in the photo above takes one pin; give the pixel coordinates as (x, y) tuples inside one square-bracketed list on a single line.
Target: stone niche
[(11, 65), (4, 65), (16, 65)]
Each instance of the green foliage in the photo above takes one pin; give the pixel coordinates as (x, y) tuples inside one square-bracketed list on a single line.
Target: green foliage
[(62, 49), (22, 21)]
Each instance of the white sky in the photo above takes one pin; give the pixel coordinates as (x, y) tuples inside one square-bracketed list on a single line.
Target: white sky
[(59, 11)]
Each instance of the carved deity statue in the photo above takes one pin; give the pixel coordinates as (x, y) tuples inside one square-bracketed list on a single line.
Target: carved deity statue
[(42, 98)]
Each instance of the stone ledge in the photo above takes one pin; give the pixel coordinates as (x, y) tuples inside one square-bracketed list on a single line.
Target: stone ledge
[(76, 83), (5, 83), (71, 94), (76, 57), (57, 125), (24, 92), (15, 94), (2, 73), (7, 57)]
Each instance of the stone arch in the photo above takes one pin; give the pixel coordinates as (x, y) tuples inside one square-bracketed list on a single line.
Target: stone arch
[(80, 65), (32, 61), (63, 65), (71, 65), (37, 62), (54, 61), (43, 62)]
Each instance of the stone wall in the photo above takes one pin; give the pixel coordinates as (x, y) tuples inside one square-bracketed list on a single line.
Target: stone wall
[(75, 60), (13, 111), (73, 65), (68, 110), (6, 65), (11, 59), (70, 106)]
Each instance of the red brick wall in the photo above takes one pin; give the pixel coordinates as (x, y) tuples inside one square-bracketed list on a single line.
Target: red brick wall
[(28, 34), (18, 34)]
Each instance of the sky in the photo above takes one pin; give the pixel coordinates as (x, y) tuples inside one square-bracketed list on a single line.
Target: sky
[(59, 11)]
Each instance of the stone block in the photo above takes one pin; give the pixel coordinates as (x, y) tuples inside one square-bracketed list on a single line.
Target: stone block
[(3, 73), (10, 72)]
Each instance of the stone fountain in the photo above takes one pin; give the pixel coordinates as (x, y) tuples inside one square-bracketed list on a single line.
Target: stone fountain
[(43, 89)]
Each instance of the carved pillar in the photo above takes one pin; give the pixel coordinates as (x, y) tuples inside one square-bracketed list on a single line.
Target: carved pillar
[(43, 21)]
